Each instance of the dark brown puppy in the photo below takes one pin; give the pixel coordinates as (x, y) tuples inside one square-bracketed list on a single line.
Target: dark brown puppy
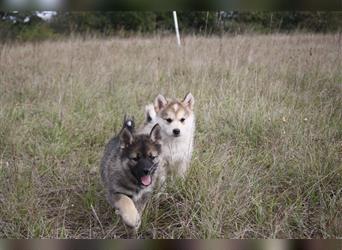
[(129, 171)]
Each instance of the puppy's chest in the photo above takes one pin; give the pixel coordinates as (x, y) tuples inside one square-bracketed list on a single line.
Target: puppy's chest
[(137, 195), (175, 151)]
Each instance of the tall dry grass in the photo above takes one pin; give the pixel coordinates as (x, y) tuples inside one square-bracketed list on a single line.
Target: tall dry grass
[(267, 159)]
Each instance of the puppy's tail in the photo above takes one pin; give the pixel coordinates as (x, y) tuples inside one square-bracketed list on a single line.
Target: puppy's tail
[(129, 123)]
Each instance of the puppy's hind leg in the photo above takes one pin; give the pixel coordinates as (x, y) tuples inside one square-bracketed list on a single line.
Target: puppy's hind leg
[(126, 209)]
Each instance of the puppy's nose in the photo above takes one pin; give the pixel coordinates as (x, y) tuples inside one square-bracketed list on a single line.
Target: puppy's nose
[(146, 172), (176, 131)]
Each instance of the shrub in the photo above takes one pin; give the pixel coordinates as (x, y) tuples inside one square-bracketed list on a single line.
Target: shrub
[(35, 33)]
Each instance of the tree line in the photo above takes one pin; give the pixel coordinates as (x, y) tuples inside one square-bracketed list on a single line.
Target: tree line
[(27, 26)]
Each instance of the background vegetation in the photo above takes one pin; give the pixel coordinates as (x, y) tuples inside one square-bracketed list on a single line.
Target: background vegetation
[(27, 26), (268, 151)]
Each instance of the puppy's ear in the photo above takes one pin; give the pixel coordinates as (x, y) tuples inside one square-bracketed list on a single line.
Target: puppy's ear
[(150, 113), (126, 138), (155, 134), (189, 101), (160, 102)]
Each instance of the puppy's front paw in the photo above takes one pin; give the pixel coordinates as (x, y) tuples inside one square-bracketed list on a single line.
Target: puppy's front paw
[(131, 218), (125, 207)]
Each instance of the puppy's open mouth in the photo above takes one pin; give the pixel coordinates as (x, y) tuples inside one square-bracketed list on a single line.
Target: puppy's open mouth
[(146, 180)]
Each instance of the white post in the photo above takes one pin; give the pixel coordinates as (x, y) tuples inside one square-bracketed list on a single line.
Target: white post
[(176, 27)]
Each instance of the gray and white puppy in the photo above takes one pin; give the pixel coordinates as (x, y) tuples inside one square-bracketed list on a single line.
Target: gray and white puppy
[(177, 121), (129, 171)]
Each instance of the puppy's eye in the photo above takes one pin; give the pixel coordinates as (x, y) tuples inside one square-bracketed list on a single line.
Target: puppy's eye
[(169, 120), (182, 120)]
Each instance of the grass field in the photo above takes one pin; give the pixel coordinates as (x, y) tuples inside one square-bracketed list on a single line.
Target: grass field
[(268, 146)]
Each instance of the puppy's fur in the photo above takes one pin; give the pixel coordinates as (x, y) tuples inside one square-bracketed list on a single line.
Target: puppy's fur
[(177, 121), (129, 171)]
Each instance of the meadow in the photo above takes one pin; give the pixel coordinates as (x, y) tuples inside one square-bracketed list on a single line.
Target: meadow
[(267, 161)]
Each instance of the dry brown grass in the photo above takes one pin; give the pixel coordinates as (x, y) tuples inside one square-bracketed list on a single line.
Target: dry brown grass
[(267, 160)]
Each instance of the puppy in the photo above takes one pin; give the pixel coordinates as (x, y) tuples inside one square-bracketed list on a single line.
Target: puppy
[(177, 121), (129, 171)]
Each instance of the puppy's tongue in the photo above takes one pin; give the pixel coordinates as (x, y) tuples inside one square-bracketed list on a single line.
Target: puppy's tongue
[(146, 180)]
